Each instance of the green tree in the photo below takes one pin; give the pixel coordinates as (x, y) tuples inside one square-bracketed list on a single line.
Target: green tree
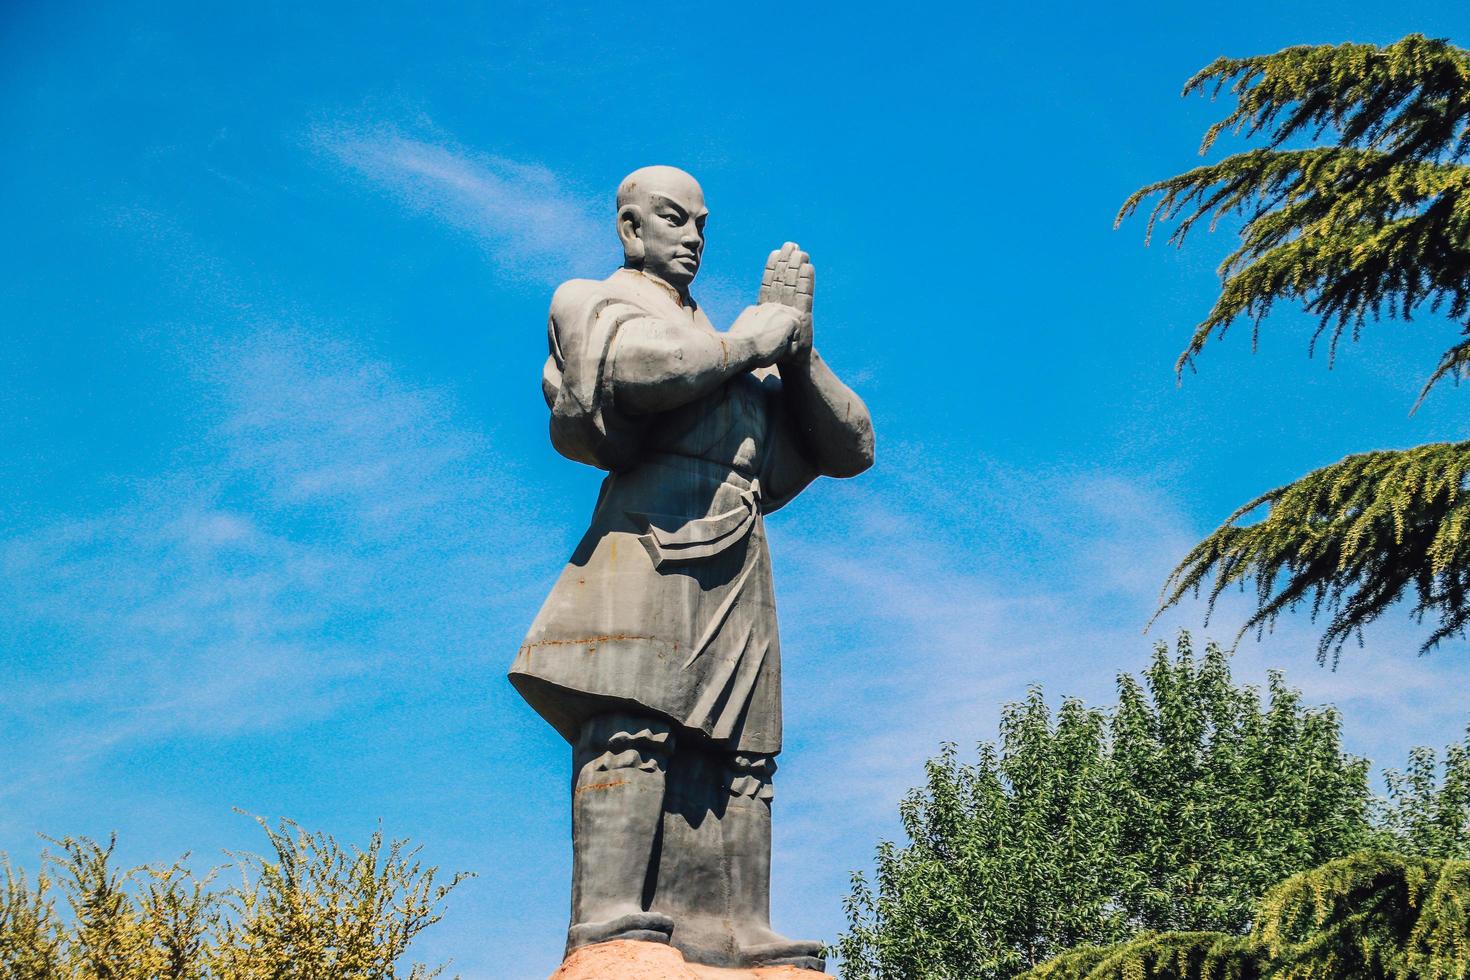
[(1369, 915), (1427, 815), (31, 939), (1174, 809), (1368, 217), (315, 910), (311, 910)]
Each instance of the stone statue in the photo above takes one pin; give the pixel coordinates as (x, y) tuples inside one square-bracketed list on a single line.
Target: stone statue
[(656, 655)]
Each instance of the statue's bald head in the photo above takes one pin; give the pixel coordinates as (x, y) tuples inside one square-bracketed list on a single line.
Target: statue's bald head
[(638, 185), (661, 216)]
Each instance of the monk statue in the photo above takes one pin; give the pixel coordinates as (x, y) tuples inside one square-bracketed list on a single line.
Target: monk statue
[(656, 655)]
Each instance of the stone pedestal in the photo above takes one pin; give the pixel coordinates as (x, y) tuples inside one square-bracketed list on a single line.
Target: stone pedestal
[(622, 960)]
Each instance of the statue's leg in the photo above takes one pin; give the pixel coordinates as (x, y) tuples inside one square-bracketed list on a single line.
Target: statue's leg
[(621, 763), (747, 833)]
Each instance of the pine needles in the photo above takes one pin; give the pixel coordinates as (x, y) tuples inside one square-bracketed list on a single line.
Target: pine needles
[(1373, 914), (1370, 219), (1348, 540), (313, 910), (1376, 223)]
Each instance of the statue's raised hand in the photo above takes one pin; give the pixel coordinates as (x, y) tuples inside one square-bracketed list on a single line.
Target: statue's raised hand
[(775, 267), (789, 279)]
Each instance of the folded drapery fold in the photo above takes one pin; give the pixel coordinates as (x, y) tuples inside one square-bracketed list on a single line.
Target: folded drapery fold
[(702, 537)]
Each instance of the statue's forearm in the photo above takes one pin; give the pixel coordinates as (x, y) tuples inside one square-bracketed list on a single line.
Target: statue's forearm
[(833, 421), (657, 366)]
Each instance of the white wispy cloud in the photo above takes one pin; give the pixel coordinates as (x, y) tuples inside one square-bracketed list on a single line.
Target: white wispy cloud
[(336, 525), (928, 620), (530, 223), (318, 425)]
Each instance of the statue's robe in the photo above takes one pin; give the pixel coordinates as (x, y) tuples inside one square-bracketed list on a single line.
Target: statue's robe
[(667, 605)]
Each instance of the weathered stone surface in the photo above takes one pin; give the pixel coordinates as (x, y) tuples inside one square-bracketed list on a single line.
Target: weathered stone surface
[(656, 655), (625, 960)]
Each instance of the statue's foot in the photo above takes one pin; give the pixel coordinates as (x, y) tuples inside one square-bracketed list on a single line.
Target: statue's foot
[(648, 927), (773, 949)]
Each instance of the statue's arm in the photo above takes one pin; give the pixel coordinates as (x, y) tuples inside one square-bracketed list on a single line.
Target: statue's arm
[(657, 364), (828, 417), (832, 420)]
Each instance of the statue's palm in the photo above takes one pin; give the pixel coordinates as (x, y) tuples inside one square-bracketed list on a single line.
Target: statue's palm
[(789, 279)]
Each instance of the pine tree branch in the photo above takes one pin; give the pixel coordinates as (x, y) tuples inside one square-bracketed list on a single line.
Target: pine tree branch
[(1371, 222), (1410, 98), (1371, 914), (1351, 233), (1349, 539), (1374, 223)]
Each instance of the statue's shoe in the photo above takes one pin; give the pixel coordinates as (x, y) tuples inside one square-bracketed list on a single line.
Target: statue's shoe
[(800, 953), (648, 927)]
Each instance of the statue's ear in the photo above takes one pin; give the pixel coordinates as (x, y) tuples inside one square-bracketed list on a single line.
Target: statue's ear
[(630, 224)]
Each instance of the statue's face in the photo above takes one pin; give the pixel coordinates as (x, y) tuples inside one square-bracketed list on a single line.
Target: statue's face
[(670, 225)]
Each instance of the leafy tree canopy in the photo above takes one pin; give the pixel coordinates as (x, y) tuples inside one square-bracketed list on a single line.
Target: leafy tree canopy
[(1426, 814), (312, 910), (1172, 810)]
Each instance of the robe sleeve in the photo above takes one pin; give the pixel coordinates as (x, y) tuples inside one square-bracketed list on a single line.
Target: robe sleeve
[(577, 382), (786, 469)]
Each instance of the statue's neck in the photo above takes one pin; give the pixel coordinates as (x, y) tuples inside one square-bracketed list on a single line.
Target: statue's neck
[(680, 296)]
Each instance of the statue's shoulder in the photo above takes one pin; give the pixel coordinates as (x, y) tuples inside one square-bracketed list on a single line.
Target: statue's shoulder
[(575, 296)]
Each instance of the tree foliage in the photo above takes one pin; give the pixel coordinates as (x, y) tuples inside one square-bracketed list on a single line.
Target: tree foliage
[(32, 943), (312, 910), (1426, 814), (1375, 222), (1368, 217), (1350, 537), (1370, 915), (1172, 810)]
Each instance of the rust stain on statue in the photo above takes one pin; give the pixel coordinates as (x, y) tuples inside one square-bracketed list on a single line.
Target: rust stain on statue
[(590, 642), (599, 786)]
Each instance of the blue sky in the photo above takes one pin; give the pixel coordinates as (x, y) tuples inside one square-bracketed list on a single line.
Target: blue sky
[(277, 502)]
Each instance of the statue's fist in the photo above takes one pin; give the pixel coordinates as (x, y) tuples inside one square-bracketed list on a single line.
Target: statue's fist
[(775, 331), (801, 340)]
